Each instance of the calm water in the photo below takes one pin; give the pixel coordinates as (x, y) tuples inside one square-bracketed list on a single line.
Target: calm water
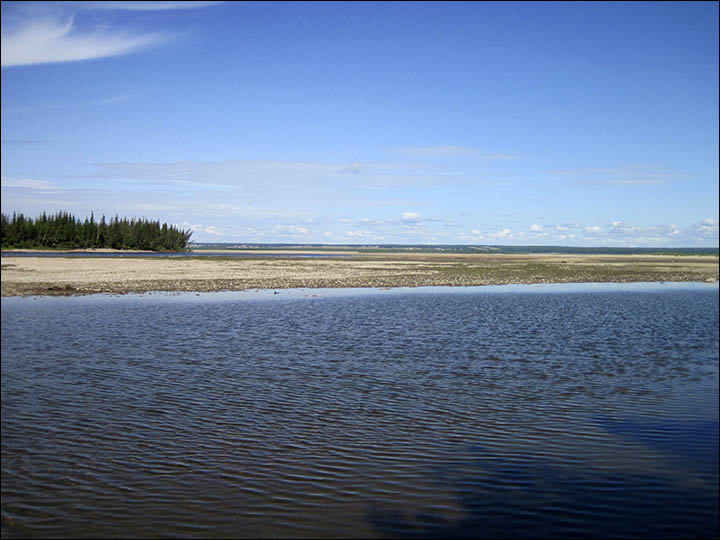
[(535, 411), (166, 254)]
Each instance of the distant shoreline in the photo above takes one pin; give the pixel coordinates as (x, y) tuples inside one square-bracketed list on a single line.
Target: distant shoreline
[(27, 275), (394, 249)]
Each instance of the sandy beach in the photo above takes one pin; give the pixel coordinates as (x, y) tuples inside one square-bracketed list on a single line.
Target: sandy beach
[(23, 276)]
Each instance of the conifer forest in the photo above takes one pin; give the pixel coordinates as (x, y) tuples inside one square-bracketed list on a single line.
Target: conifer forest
[(63, 231)]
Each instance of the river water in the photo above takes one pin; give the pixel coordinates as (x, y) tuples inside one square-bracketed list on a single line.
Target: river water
[(512, 411), (172, 254)]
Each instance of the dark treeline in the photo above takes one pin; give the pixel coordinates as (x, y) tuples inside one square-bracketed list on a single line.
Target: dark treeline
[(64, 231)]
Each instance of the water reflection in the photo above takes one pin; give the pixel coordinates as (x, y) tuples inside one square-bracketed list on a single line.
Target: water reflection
[(497, 498)]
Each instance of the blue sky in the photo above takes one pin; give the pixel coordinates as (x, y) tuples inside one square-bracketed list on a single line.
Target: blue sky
[(578, 124)]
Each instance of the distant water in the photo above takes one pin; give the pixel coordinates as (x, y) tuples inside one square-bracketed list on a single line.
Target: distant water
[(166, 254), (526, 411)]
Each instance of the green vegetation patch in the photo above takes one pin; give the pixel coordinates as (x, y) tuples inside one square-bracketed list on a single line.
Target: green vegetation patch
[(64, 231)]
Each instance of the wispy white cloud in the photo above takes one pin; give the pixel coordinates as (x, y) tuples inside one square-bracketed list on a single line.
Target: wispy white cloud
[(27, 183), (629, 175), (236, 172), (567, 226), (24, 142), (120, 98), (280, 179), (48, 40), (51, 32), (129, 5), (452, 151), (371, 221), (38, 108)]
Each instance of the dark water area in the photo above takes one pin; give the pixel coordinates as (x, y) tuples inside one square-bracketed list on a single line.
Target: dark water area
[(489, 412), (165, 254)]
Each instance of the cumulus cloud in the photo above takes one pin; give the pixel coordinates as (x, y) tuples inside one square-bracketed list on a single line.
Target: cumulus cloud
[(594, 229), (368, 222), (290, 229), (355, 168), (620, 228), (567, 226), (410, 217), (358, 233), (200, 228), (505, 233), (211, 229), (535, 227), (707, 229)]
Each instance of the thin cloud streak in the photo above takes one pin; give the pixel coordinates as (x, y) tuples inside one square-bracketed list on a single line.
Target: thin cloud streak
[(23, 142), (452, 151), (27, 183), (287, 174), (128, 5), (630, 175)]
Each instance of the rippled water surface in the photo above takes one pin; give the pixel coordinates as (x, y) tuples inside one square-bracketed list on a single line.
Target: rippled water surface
[(580, 411)]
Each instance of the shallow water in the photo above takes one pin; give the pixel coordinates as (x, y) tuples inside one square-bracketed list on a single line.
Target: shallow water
[(513, 411), (166, 254)]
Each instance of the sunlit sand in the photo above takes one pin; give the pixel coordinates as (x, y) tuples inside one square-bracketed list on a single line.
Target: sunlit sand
[(22, 276)]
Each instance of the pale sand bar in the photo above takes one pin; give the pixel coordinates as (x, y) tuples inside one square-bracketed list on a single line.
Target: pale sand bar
[(23, 276)]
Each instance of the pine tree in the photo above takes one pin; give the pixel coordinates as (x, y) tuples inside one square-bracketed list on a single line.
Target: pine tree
[(63, 230)]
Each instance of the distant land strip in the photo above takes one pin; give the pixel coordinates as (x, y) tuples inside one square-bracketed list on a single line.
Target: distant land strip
[(453, 248), (348, 267)]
